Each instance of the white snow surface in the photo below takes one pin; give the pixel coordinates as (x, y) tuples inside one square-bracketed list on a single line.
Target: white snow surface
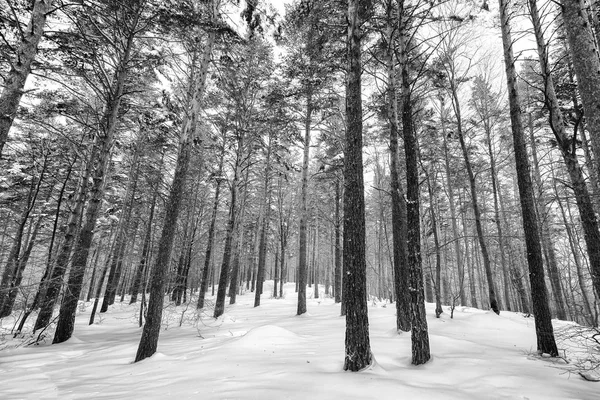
[(270, 353)]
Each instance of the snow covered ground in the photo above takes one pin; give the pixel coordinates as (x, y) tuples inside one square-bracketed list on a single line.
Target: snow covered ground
[(270, 353)]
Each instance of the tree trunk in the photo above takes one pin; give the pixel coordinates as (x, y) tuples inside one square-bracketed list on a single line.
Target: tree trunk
[(141, 268), (211, 234), (262, 252), (338, 248), (568, 151), (460, 267), (399, 228), (8, 285), (20, 67), (587, 69), (231, 225), (475, 203), (358, 349), (438, 255), (104, 143), (149, 340), (123, 232), (419, 332), (302, 262), (541, 310)]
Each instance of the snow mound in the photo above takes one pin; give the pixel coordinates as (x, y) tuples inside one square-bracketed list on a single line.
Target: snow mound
[(267, 336)]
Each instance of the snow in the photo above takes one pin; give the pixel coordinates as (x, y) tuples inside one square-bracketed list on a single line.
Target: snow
[(270, 353)]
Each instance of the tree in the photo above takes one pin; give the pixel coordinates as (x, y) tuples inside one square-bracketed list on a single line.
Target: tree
[(539, 294), (20, 65), (189, 133), (358, 348)]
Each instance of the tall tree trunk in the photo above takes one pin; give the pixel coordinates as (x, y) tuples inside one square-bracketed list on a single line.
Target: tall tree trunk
[(587, 69), (151, 330), (104, 143), (358, 349), (541, 310), (568, 151), (399, 228), (495, 188), (239, 243), (262, 252), (302, 262), (438, 255), (20, 67), (419, 332)]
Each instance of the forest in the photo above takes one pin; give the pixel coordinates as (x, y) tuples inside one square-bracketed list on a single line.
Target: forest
[(175, 162)]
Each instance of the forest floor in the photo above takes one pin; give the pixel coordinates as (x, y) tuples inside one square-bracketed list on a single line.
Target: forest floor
[(270, 353)]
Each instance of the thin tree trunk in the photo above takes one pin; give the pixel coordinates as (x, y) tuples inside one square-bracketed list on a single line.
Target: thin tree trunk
[(139, 273), (211, 234), (436, 241), (460, 267), (231, 225), (338, 247), (475, 203)]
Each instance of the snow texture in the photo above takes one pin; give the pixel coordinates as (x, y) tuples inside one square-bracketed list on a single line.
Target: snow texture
[(270, 353)]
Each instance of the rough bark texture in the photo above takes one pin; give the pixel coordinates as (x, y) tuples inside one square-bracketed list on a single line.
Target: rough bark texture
[(20, 67), (539, 294), (398, 200), (302, 255), (419, 330), (358, 349), (568, 151), (587, 69)]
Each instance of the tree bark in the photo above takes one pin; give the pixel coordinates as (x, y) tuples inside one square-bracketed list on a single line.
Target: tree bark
[(20, 67), (419, 332), (583, 199), (399, 238), (302, 261), (541, 310), (149, 340), (358, 349)]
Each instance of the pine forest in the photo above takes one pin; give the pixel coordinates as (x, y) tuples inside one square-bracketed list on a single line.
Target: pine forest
[(291, 199)]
